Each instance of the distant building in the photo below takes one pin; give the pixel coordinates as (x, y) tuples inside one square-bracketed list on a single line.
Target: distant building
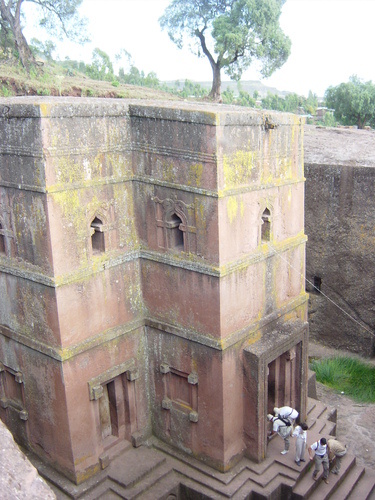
[(321, 113)]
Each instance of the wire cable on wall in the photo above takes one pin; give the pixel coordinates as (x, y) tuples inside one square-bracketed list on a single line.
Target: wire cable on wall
[(322, 293)]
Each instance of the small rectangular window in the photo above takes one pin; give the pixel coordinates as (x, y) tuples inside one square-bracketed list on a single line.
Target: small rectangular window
[(2, 240), (317, 284), (97, 236)]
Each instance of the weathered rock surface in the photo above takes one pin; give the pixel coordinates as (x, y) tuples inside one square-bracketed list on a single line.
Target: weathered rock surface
[(340, 225), (339, 146), (19, 479)]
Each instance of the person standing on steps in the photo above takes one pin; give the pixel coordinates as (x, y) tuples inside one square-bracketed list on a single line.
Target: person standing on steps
[(320, 458), (300, 432), (336, 451), (283, 428)]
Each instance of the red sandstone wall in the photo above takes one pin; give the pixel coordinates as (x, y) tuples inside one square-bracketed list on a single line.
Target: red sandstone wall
[(184, 283)]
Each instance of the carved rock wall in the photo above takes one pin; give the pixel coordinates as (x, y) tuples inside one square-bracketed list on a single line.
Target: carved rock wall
[(340, 225), (147, 248)]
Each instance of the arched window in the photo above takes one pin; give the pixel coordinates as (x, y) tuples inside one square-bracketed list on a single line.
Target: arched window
[(2, 240), (97, 236), (175, 233), (266, 225)]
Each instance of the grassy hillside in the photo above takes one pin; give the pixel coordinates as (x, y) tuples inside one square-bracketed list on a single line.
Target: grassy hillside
[(53, 79), (57, 81)]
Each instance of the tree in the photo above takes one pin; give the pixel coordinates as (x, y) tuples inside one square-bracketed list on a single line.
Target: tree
[(59, 17), (311, 103), (232, 34), (353, 102), (273, 101), (44, 50), (101, 67)]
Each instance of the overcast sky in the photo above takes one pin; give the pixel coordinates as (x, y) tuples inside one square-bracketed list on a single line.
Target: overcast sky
[(331, 40)]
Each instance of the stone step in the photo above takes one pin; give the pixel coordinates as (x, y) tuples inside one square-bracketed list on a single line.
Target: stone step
[(348, 483), (320, 418), (306, 487), (365, 488), (108, 490), (242, 480), (157, 471), (177, 486), (340, 486), (315, 409)]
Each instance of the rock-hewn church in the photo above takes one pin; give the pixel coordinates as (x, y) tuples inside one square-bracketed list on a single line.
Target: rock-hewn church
[(152, 261)]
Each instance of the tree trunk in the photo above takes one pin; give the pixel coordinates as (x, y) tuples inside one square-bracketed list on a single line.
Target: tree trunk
[(26, 56), (215, 93), (361, 122)]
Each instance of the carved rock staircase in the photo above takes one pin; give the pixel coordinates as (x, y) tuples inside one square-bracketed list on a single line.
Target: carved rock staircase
[(157, 471)]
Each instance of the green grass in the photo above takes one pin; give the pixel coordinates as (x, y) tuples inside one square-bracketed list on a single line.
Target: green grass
[(54, 80), (347, 375)]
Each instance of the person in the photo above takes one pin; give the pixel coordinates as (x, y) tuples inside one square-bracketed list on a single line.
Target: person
[(336, 451), (286, 412), (300, 432), (320, 457), (282, 429)]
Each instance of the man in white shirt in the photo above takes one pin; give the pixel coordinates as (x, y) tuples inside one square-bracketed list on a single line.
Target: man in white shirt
[(300, 433), (320, 458), (286, 412)]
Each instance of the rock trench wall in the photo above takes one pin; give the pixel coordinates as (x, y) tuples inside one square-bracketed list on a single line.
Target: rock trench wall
[(340, 225)]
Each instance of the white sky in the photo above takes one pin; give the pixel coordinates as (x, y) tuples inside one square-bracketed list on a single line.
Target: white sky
[(331, 40)]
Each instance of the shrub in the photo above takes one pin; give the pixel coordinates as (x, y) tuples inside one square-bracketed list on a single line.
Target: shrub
[(347, 375)]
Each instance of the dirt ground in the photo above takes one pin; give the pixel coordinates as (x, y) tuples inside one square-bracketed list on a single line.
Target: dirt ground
[(339, 146), (355, 421)]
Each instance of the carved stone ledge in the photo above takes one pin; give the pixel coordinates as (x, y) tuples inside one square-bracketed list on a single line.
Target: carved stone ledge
[(193, 416), (97, 392), (166, 404), (193, 378), (132, 375), (24, 415), (164, 368), (4, 403)]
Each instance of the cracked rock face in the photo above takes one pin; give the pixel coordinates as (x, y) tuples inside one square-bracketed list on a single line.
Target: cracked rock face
[(340, 226), (18, 477)]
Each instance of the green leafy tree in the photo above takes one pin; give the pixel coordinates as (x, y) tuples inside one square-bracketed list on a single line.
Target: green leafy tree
[(58, 17), (273, 101), (44, 50), (228, 96), (353, 102), (311, 103), (232, 34), (245, 99), (138, 77), (291, 103), (191, 89), (101, 67)]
